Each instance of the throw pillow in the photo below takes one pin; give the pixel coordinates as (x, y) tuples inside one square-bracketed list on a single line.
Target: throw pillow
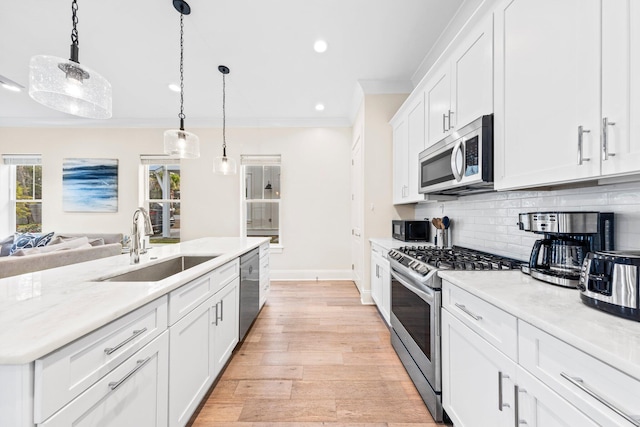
[(30, 240), (5, 245), (80, 242)]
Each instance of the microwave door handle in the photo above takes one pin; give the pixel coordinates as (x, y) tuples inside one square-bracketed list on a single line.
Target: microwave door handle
[(458, 169)]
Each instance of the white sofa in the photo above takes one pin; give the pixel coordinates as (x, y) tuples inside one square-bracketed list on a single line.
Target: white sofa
[(14, 265)]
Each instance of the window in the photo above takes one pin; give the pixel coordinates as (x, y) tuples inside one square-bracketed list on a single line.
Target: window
[(25, 192), (162, 197), (262, 196)]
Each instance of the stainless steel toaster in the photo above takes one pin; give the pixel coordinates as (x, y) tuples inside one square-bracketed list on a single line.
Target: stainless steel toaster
[(609, 282)]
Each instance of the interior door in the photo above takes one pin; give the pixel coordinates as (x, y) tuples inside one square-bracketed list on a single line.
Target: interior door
[(357, 246)]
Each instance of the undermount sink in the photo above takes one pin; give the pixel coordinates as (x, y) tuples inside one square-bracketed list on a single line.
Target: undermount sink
[(159, 271)]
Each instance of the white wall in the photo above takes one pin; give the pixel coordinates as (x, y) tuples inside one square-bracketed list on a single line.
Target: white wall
[(488, 221), (315, 187)]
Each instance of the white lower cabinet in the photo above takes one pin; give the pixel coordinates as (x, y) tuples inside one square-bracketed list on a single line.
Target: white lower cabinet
[(381, 281), (537, 405), (545, 383), (200, 344), (133, 394), (477, 379)]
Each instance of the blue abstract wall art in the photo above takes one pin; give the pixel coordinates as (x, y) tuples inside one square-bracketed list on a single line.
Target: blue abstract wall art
[(90, 185)]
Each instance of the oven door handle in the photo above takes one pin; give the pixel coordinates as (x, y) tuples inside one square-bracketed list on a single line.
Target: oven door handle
[(428, 297)]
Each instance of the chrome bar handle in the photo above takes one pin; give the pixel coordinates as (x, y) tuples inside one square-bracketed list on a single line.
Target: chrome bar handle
[(215, 322), (139, 364), (466, 311), (516, 405), (449, 120), (444, 118), (581, 132), (605, 138), (501, 404), (578, 382), (136, 334), (222, 310)]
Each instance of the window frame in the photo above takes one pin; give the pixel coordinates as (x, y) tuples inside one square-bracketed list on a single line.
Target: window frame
[(11, 162), (144, 188), (255, 160)]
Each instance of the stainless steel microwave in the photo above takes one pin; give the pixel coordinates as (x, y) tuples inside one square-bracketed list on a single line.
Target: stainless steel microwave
[(409, 231), (461, 163)]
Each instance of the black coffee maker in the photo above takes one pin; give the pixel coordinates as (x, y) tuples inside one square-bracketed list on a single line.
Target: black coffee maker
[(568, 237)]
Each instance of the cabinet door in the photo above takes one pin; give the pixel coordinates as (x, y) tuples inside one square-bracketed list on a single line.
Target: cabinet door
[(620, 87), (190, 370), (539, 406), (477, 379), (415, 121), (133, 394), (226, 324), (385, 284), (400, 170), (376, 288), (472, 76), (547, 78), (438, 105)]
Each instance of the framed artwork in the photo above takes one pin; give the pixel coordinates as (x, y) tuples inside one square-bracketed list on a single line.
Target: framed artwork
[(90, 185)]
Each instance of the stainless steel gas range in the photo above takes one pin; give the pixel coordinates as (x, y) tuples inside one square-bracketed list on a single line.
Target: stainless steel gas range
[(416, 305)]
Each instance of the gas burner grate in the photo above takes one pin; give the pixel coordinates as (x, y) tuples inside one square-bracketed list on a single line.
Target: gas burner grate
[(457, 258)]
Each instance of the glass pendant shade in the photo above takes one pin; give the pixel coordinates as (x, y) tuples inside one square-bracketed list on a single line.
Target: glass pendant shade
[(70, 87), (225, 165), (182, 144)]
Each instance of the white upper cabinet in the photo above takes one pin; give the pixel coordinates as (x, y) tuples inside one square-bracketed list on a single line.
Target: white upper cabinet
[(547, 91), (400, 162), (438, 104), (415, 121), (620, 151), (460, 89), (554, 121), (472, 76), (408, 142)]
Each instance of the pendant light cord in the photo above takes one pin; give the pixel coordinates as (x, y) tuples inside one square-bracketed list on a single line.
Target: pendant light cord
[(181, 115), (224, 117), (74, 19)]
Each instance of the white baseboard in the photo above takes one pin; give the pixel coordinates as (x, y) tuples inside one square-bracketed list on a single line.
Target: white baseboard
[(365, 298), (287, 275)]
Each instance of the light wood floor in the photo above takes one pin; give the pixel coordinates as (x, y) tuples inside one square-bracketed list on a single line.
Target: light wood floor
[(315, 357)]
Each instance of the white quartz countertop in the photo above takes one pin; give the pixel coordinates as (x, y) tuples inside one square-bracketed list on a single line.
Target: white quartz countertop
[(559, 312), (41, 312)]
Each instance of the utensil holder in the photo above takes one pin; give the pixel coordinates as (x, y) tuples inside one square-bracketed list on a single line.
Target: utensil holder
[(443, 237)]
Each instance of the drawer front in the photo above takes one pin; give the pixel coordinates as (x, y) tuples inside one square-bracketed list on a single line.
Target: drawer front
[(133, 394), (189, 296), (67, 372), (264, 267), (591, 385), (491, 323), (223, 275)]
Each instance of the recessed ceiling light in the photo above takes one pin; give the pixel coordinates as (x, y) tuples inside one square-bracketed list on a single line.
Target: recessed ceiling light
[(174, 87), (319, 107), (320, 46)]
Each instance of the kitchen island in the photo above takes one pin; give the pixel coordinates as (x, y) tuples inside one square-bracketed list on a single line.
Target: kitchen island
[(46, 313), (556, 361)]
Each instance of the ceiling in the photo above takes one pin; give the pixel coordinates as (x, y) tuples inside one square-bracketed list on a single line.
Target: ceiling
[(276, 77)]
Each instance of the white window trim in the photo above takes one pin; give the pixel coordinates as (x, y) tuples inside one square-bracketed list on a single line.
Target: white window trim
[(260, 160), (143, 178), (9, 164)]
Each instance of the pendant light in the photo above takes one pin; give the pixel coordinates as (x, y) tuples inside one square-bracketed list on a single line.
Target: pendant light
[(178, 142), (224, 165), (67, 86)]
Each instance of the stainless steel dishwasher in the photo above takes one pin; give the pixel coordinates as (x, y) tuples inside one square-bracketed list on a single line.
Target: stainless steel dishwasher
[(249, 290)]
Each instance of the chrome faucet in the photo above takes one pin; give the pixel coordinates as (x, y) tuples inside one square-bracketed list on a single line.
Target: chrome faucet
[(136, 245)]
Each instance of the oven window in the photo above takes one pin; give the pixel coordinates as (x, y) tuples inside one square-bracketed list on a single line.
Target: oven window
[(436, 169), (414, 314)]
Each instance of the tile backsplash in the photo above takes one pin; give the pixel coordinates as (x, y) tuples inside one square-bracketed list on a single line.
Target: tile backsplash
[(488, 222)]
